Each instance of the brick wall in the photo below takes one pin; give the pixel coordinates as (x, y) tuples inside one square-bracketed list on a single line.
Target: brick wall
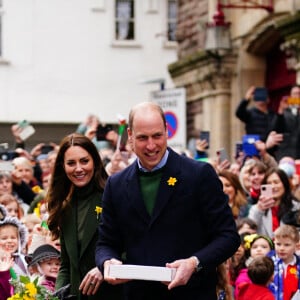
[(192, 17)]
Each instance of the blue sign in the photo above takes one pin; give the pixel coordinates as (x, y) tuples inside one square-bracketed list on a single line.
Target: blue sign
[(172, 124)]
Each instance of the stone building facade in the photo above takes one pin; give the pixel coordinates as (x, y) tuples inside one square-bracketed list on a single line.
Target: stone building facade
[(215, 84)]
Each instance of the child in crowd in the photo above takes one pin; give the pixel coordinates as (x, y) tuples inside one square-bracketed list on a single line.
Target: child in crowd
[(224, 288), (13, 238), (286, 262), (246, 225), (260, 271), (6, 262), (256, 246), (46, 262), (30, 221), (12, 205)]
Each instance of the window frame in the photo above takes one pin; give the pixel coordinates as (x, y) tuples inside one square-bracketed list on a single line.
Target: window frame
[(126, 43), (171, 20)]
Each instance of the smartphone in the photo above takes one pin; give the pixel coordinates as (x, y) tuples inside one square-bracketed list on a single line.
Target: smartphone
[(102, 131), (238, 148), (8, 155), (249, 144), (222, 153), (205, 135), (260, 94), (266, 190), (293, 101), (27, 130), (46, 149)]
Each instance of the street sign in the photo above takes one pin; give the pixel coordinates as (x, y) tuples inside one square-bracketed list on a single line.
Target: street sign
[(173, 103)]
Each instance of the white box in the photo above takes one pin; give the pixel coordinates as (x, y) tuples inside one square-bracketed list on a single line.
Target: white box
[(142, 272)]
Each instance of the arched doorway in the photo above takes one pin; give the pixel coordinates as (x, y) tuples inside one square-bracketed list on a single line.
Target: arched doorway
[(279, 79)]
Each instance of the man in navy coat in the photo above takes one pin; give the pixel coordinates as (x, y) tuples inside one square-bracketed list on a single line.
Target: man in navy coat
[(165, 210)]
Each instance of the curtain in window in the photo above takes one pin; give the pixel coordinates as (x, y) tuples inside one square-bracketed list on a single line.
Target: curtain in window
[(124, 19), (172, 16)]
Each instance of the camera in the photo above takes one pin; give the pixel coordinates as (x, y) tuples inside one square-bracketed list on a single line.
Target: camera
[(46, 149), (260, 94), (102, 131), (8, 155)]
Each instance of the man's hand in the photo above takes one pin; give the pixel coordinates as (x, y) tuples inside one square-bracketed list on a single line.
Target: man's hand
[(283, 105), (201, 145), (273, 139), (112, 280), (249, 93), (16, 130), (184, 270)]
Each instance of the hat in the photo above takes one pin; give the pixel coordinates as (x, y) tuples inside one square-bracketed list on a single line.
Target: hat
[(43, 252), (3, 212), (7, 220), (288, 168)]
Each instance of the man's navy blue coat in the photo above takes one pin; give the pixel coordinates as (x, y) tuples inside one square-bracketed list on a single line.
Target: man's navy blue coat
[(190, 218)]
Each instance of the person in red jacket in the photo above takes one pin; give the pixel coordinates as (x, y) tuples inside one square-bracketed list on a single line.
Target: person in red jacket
[(260, 271)]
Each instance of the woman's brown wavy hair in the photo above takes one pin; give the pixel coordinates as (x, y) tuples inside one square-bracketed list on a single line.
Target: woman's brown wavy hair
[(240, 196), (61, 188)]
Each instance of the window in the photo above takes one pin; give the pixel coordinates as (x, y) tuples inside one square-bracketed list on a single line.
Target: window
[(172, 20), (125, 22)]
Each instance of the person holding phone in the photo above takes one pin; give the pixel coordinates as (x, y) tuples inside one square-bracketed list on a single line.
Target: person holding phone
[(287, 122), (259, 118), (273, 206), (91, 126)]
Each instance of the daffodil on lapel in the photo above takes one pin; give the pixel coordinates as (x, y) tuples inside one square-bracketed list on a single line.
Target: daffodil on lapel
[(98, 211), (172, 181)]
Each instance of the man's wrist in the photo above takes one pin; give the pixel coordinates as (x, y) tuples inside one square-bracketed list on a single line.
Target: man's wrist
[(198, 265)]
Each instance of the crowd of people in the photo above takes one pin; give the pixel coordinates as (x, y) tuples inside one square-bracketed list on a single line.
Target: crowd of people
[(69, 214)]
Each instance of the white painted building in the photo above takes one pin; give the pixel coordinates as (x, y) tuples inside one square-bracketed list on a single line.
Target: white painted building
[(63, 59)]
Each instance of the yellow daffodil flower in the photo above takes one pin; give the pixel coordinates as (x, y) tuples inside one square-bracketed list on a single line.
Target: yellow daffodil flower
[(98, 211), (172, 181)]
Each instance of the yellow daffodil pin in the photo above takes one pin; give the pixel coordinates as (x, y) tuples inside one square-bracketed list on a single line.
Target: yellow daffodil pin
[(172, 181), (98, 211)]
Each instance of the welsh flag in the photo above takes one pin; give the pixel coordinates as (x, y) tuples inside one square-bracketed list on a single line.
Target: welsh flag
[(122, 126)]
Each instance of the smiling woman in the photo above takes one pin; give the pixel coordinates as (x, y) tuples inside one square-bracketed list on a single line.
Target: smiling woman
[(75, 191), (271, 211)]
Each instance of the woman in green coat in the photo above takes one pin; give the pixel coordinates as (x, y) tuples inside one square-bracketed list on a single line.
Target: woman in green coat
[(74, 205)]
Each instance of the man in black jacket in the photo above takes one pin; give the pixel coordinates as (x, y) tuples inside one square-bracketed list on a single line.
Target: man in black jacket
[(287, 122), (258, 119)]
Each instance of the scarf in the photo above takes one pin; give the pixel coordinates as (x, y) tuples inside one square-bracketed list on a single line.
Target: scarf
[(277, 286)]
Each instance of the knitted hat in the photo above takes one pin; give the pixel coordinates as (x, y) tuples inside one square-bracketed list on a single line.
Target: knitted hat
[(7, 220), (43, 252)]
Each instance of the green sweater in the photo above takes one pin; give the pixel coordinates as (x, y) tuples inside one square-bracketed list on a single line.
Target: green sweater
[(149, 182)]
